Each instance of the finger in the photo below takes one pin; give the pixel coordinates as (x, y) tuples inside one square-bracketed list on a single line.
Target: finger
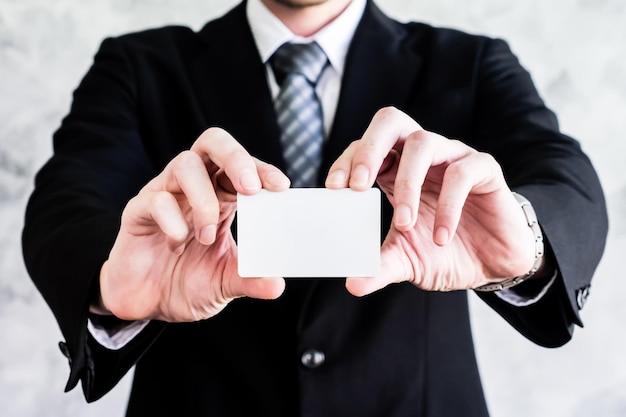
[(340, 169), (475, 172), (388, 128), (187, 174), (260, 288), (160, 209), (272, 178), (393, 269), (415, 161), (362, 286), (422, 152), (217, 147)]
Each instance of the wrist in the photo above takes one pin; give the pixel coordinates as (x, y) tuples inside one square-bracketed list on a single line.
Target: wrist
[(539, 265)]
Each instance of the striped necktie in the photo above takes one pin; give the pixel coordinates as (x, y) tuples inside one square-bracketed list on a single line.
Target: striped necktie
[(297, 68)]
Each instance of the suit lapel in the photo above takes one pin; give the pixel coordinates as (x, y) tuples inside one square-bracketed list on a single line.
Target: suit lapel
[(232, 86), (380, 71)]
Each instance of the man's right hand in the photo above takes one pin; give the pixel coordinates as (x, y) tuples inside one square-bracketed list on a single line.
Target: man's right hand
[(175, 258)]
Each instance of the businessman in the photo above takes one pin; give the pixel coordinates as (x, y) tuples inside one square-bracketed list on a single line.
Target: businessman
[(128, 232)]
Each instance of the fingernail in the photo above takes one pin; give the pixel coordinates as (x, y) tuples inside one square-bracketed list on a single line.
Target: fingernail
[(442, 235), (207, 234), (403, 215), (337, 178), (360, 176), (249, 180)]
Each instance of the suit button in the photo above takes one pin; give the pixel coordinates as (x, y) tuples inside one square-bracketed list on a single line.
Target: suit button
[(312, 358), (581, 297)]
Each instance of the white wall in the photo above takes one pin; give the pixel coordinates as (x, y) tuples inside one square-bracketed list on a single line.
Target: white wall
[(574, 48)]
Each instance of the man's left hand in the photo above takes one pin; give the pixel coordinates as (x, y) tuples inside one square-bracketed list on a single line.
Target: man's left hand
[(456, 224)]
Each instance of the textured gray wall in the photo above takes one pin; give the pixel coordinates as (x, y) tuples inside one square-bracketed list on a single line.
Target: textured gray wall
[(575, 50)]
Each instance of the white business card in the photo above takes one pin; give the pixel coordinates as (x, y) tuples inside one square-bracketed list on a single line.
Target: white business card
[(309, 232)]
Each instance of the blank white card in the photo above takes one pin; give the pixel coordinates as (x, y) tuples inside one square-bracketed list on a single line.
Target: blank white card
[(309, 232)]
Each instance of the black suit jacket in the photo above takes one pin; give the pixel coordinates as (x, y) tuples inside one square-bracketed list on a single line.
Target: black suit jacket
[(398, 352)]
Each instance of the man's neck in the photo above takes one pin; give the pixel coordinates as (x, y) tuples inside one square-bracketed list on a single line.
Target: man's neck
[(306, 17)]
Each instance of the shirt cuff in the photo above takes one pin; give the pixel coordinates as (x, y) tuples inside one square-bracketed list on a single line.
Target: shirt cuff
[(118, 336), (516, 299)]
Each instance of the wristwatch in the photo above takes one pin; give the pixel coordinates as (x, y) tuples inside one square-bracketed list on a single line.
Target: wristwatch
[(531, 219)]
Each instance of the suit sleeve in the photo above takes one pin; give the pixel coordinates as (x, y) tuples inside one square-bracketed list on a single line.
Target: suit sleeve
[(550, 169), (73, 215)]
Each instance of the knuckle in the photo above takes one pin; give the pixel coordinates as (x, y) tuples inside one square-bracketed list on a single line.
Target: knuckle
[(487, 163), (422, 140), (236, 158), (406, 185), (387, 113), (214, 133), (210, 138), (185, 160), (239, 154), (206, 205), (349, 152), (365, 148), (262, 164), (458, 170), (163, 207), (490, 161), (393, 115), (485, 158), (354, 144), (468, 149), (160, 200)]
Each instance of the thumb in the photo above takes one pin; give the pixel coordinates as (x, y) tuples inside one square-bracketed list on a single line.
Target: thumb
[(261, 288), (392, 270)]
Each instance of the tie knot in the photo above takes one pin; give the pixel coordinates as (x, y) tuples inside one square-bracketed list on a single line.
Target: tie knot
[(307, 59)]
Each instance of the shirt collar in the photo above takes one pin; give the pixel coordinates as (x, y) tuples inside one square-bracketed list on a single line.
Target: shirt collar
[(270, 33)]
